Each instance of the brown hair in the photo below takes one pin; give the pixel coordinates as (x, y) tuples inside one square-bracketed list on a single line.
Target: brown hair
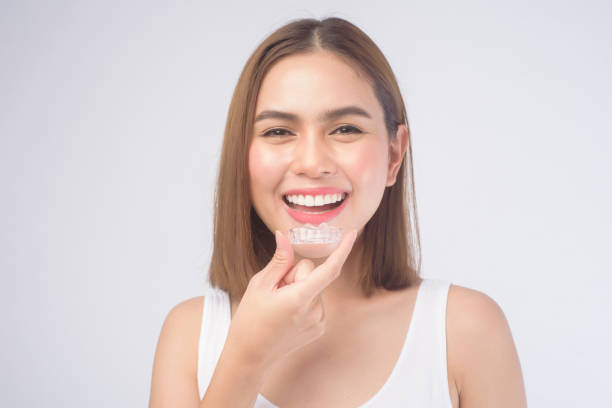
[(243, 245)]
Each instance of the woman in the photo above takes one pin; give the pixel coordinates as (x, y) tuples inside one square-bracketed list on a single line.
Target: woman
[(317, 113)]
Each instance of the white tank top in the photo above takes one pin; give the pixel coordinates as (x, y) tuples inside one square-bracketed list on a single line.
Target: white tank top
[(418, 379)]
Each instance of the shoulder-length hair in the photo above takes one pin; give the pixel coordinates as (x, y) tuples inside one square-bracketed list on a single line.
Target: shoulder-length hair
[(243, 245)]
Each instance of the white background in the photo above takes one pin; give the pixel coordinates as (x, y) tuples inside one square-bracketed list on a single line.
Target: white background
[(111, 122)]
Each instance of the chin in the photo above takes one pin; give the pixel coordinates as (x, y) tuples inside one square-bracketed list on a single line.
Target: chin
[(315, 251)]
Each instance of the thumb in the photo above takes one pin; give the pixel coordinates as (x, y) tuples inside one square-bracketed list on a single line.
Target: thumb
[(301, 275), (281, 261), (304, 267)]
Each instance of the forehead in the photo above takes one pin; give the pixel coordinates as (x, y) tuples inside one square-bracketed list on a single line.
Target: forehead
[(307, 84)]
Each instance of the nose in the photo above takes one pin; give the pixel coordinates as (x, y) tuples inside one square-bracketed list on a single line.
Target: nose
[(312, 157)]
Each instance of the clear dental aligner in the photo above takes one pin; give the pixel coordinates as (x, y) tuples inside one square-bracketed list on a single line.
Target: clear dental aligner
[(310, 234)]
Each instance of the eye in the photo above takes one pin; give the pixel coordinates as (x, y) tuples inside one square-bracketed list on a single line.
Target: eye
[(346, 129), (276, 132)]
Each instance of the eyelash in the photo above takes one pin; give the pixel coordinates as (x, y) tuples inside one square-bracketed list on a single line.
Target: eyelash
[(352, 128)]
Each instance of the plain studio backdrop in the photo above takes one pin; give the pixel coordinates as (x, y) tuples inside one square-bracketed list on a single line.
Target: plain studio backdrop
[(111, 123)]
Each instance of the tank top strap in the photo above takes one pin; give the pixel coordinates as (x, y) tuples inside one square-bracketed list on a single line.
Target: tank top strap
[(433, 326), (425, 367), (216, 319)]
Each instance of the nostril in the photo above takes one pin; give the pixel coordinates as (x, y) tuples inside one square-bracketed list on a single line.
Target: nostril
[(313, 164)]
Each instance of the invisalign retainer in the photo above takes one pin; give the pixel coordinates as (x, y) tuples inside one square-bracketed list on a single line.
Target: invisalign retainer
[(310, 234)]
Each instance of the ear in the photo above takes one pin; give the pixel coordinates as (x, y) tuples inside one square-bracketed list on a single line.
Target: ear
[(397, 150)]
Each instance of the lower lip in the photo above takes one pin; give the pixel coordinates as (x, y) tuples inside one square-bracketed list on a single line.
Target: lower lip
[(315, 219)]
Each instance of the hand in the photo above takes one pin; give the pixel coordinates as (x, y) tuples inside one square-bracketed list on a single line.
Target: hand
[(281, 309)]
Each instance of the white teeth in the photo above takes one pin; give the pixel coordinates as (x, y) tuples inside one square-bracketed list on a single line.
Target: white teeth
[(315, 201)]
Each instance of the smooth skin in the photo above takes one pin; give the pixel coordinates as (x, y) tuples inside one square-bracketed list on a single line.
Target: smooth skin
[(483, 365), (282, 302)]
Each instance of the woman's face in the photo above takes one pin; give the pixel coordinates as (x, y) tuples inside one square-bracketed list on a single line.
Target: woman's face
[(319, 136)]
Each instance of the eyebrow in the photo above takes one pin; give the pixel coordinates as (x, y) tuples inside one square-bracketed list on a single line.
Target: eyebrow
[(324, 117)]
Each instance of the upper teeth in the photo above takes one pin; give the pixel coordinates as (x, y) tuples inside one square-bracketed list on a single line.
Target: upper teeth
[(313, 201)]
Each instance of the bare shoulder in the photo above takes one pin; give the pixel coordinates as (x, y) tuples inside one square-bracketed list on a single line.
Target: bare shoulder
[(183, 323), (482, 358), (473, 311), (187, 311), (174, 376)]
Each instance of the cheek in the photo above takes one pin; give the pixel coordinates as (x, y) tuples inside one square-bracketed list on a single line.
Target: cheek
[(265, 168), (368, 166)]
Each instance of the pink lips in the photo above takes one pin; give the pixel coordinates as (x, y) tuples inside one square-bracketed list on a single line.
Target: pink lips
[(315, 219)]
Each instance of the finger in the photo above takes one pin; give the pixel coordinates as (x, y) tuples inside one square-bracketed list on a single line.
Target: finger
[(315, 314), (307, 336), (320, 307), (281, 261), (301, 270), (309, 314), (329, 270)]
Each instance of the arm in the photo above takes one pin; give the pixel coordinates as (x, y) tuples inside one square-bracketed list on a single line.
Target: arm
[(174, 381), (481, 352), (234, 384)]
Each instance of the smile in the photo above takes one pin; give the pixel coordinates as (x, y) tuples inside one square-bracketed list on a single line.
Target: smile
[(314, 204), (314, 208)]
